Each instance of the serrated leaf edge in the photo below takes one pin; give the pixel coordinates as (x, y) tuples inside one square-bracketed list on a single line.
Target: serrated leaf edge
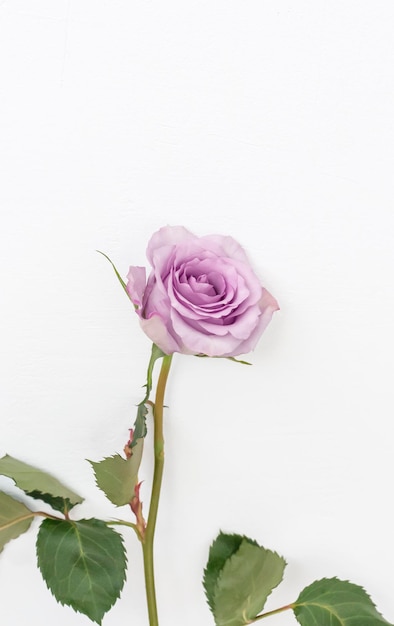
[(266, 550), (328, 608), (118, 593), (211, 602), (69, 503)]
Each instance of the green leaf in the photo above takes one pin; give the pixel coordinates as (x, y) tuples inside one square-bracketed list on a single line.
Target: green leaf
[(15, 519), (139, 428), (232, 358), (83, 564), (333, 602), (117, 476), (120, 279), (38, 484), (229, 358), (155, 354), (222, 549), (246, 581), (239, 577)]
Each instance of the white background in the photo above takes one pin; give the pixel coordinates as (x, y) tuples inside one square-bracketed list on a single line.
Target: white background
[(271, 121)]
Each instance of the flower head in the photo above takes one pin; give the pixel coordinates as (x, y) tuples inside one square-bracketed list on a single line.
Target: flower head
[(201, 297)]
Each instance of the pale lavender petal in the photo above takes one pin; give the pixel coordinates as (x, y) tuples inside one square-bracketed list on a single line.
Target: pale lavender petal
[(253, 283), (268, 306), (157, 331), (136, 282), (167, 236), (157, 301), (242, 326), (225, 246), (200, 343)]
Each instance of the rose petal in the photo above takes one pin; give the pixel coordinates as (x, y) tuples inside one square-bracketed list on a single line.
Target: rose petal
[(167, 236), (241, 327), (198, 342), (136, 282), (225, 246), (157, 331), (268, 305)]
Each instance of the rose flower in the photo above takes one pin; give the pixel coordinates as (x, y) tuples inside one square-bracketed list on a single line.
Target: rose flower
[(202, 296)]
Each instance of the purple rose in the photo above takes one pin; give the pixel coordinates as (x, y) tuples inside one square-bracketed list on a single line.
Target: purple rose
[(202, 296)]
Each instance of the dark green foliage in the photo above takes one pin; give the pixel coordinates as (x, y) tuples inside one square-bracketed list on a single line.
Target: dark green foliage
[(38, 484), (239, 577), (83, 564), (15, 519), (117, 476), (222, 549), (333, 602)]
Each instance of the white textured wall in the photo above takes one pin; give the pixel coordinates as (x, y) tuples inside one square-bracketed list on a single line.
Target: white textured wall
[(268, 121)]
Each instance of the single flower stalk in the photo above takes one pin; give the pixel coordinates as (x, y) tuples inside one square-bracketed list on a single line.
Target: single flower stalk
[(201, 298)]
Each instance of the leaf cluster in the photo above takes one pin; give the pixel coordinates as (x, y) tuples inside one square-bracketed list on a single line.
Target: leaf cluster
[(82, 562), (240, 575)]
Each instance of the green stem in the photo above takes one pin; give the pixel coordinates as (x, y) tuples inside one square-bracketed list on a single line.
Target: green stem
[(274, 612), (147, 545), (120, 522)]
